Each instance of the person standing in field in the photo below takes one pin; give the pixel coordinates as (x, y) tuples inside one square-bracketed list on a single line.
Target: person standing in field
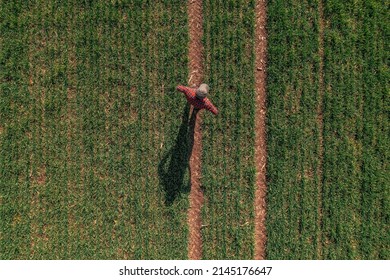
[(198, 97)]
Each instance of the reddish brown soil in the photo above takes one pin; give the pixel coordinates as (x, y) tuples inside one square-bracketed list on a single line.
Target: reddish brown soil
[(195, 79), (260, 141)]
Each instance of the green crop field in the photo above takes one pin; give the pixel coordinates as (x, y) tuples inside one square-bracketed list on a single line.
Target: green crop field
[(94, 137), (329, 202), (228, 140), (293, 130)]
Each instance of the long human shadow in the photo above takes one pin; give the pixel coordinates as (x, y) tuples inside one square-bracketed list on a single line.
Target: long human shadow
[(175, 162)]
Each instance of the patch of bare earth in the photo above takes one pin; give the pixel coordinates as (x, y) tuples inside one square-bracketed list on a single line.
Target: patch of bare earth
[(260, 140), (195, 78)]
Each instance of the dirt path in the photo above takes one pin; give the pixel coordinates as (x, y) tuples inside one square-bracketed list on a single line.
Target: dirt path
[(195, 78), (260, 141), (320, 121)]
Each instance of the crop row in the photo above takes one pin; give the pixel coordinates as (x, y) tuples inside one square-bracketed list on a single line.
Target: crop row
[(92, 131), (327, 130), (228, 139)]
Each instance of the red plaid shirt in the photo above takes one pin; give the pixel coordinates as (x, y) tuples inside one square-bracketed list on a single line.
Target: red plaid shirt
[(190, 94)]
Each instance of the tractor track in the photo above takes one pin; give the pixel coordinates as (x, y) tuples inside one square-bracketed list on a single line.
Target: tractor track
[(195, 78), (260, 128)]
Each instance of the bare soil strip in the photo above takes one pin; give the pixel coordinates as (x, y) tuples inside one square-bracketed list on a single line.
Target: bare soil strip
[(260, 140), (195, 79), (320, 121)]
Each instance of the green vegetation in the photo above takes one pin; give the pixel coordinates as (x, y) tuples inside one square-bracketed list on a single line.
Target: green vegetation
[(94, 136), (292, 130), (356, 179), (228, 139), (15, 147), (343, 211), (92, 130)]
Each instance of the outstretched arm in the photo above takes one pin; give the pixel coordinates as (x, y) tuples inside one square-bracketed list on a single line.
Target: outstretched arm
[(210, 106), (182, 89)]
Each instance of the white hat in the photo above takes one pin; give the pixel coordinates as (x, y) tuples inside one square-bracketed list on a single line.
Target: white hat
[(202, 90)]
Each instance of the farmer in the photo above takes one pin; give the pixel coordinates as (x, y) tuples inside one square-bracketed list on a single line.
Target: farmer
[(197, 97)]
